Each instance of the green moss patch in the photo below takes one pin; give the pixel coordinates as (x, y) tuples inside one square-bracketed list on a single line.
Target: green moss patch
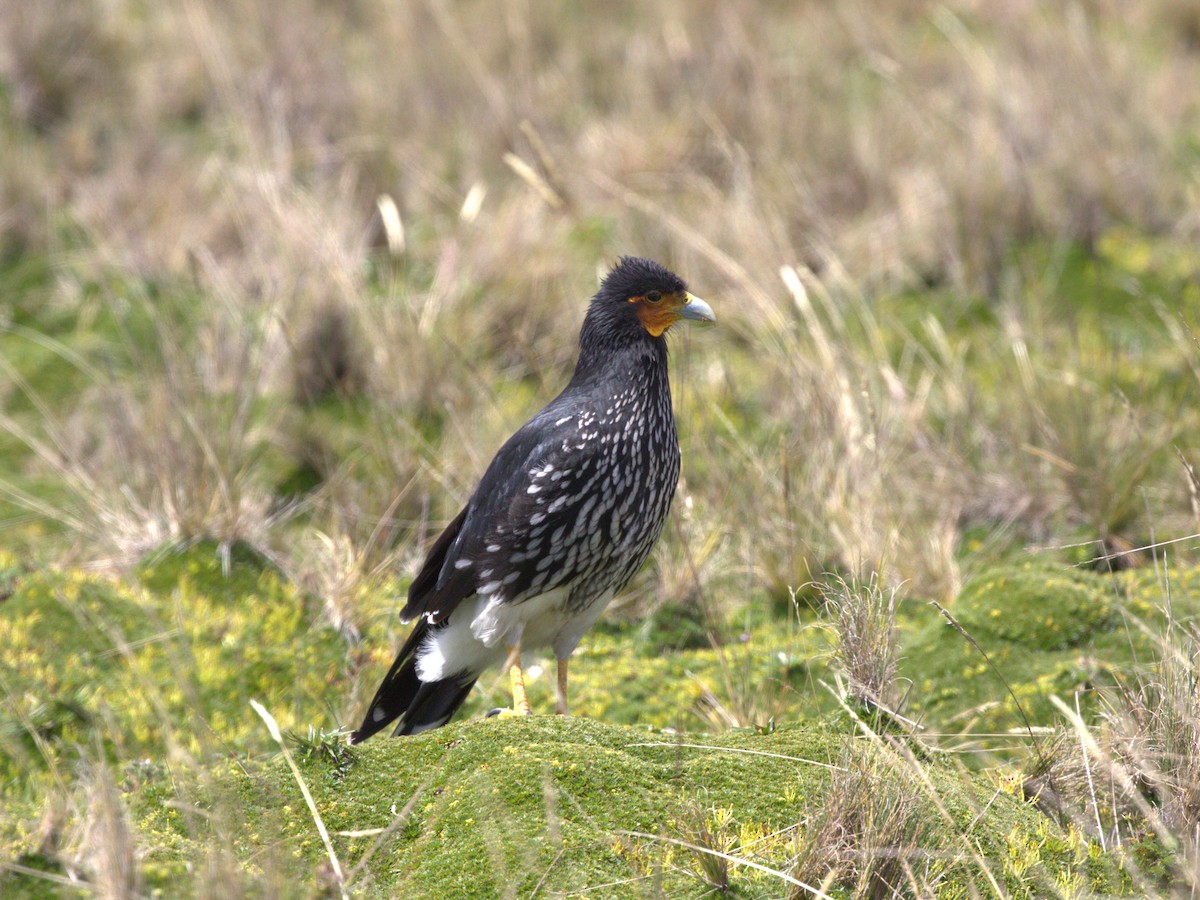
[(1045, 631), (161, 670), (85, 659), (1038, 609), (508, 806)]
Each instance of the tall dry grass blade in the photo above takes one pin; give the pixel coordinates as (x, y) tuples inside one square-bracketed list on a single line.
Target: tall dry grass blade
[(1087, 747), (551, 168), (393, 225), (530, 176), (472, 203), (277, 736)]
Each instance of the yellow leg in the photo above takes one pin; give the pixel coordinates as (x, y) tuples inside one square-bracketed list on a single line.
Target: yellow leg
[(520, 701), (561, 697)]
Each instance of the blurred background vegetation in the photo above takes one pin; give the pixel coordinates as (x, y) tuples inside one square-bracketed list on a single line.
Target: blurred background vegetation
[(275, 283)]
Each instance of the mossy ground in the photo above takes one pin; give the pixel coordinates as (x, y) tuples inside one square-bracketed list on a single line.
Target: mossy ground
[(492, 807), (188, 648), (163, 666), (1045, 631)]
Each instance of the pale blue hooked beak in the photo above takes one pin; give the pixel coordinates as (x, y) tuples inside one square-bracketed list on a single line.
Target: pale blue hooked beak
[(697, 310)]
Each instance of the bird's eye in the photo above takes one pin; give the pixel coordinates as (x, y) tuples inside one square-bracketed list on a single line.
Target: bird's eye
[(654, 297)]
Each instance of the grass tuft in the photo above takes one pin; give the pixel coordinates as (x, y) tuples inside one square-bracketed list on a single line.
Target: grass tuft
[(869, 835), (864, 617)]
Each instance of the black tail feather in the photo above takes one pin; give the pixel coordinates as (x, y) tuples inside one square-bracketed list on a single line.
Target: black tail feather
[(434, 704), (419, 705)]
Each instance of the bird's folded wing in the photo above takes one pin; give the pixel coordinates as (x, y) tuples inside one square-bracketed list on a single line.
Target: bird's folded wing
[(512, 512), (424, 587)]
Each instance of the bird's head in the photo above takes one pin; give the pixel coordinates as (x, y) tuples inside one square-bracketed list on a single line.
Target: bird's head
[(641, 297)]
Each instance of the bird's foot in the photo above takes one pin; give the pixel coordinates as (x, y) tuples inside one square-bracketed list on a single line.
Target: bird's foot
[(504, 712), (517, 674)]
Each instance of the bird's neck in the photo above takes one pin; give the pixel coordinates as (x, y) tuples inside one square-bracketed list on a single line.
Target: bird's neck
[(642, 364)]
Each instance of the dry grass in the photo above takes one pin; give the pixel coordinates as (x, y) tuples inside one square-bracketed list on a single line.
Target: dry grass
[(1153, 763), (688, 103), (864, 617), (169, 456), (870, 832), (104, 848), (858, 150), (1136, 775)]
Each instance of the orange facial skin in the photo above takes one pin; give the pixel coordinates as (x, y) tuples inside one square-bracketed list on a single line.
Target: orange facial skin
[(659, 312)]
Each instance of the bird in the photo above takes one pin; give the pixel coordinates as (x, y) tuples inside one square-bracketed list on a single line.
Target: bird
[(562, 519)]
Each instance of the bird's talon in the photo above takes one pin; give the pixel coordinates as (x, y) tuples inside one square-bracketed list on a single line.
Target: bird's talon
[(503, 712)]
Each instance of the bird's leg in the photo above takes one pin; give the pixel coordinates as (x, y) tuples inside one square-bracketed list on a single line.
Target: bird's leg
[(560, 697), (513, 664)]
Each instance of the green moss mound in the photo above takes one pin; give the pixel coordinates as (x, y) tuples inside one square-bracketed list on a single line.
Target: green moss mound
[(503, 807), (1045, 631), (1039, 609), (170, 662), (161, 670)]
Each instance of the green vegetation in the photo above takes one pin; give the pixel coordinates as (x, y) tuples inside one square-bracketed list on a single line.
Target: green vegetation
[(273, 291), (1045, 632), (492, 805)]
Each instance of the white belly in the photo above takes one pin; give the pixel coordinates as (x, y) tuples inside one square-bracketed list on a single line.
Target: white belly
[(480, 633)]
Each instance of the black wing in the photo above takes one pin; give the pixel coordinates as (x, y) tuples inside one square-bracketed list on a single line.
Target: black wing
[(504, 532), (423, 594)]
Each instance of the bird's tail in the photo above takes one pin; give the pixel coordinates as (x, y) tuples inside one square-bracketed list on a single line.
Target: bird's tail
[(419, 705)]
